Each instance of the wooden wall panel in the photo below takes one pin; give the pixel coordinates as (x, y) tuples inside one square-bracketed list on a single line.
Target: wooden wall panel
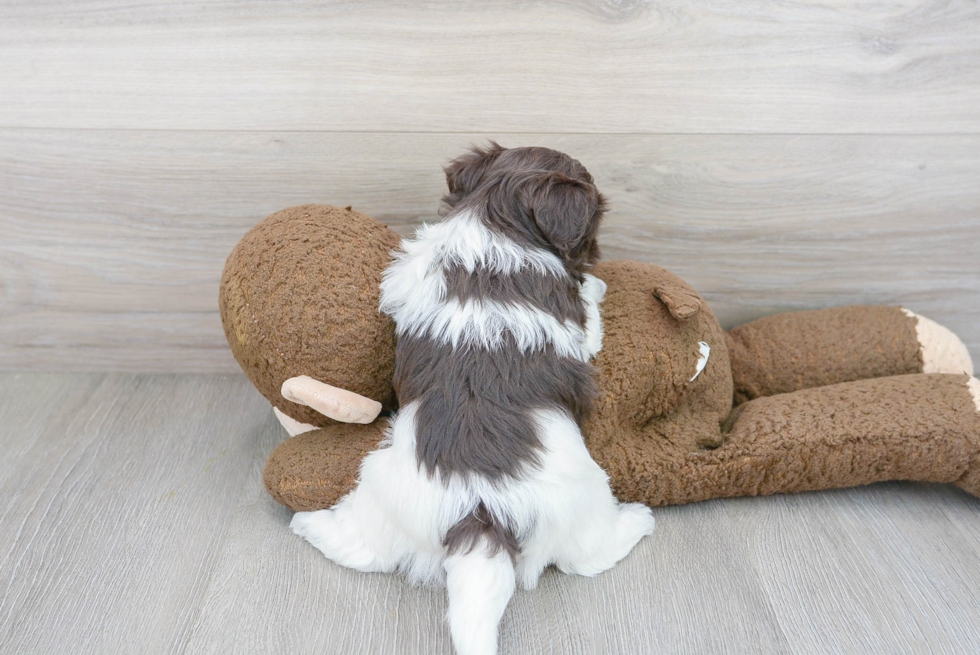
[(112, 242), (672, 66)]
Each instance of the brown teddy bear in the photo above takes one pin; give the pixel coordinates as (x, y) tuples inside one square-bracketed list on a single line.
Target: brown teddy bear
[(686, 412)]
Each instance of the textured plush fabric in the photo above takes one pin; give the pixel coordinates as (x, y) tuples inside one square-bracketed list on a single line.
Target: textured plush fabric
[(828, 398), (799, 350), (815, 423), (299, 296), (647, 361), (315, 469), (908, 427)]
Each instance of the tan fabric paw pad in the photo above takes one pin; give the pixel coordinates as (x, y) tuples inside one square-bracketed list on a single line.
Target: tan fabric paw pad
[(942, 351)]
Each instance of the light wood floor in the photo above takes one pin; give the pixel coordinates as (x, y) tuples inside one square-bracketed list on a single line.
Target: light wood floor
[(133, 520)]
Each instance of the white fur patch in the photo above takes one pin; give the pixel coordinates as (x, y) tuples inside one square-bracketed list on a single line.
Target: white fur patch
[(705, 351), (485, 323), (464, 240), (593, 293), (413, 291)]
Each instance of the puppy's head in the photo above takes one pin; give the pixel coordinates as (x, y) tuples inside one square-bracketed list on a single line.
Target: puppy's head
[(538, 196)]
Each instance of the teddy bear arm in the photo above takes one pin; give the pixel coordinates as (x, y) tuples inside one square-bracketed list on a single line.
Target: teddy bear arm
[(800, 350)]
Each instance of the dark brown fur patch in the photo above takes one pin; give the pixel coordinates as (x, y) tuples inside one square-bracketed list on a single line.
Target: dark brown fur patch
[(480, 526), (474, 405), (545, 210), (558, 297), (466, 172)]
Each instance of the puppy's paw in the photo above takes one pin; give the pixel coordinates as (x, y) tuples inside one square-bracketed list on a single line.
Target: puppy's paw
[(636, 518), (325, 531), (337, 539), (635, 522), (311, 525)]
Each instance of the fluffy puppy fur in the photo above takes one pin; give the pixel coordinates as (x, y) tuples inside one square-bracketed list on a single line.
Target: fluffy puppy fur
[(483, 479)]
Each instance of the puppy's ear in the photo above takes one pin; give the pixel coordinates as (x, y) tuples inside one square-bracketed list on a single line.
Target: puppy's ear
[(465, 173), (566, 211)]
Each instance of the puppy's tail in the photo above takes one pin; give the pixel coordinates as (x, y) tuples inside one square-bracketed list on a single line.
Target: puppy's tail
[(480, 580)]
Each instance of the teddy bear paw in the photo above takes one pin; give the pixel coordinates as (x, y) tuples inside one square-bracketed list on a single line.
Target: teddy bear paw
[(973, 385), (942, 351)]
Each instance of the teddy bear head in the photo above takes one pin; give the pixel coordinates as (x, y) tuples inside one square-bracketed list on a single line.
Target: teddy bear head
[(664, 358), (299, 296)]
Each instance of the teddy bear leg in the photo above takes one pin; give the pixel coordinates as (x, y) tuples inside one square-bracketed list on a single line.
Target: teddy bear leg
[(802, 350), (970, 481), (912, 427)]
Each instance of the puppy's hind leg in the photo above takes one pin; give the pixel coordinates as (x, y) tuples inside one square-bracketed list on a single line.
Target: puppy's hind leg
[(600, 549), (358, 531), (583, 529), (603, 531), (348, 535), (635, 521)]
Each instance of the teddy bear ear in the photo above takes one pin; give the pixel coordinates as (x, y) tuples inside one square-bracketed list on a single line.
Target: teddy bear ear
[(682, 302), (465, 173)]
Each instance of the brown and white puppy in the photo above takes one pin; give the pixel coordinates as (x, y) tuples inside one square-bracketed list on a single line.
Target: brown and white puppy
[(484, 478)]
